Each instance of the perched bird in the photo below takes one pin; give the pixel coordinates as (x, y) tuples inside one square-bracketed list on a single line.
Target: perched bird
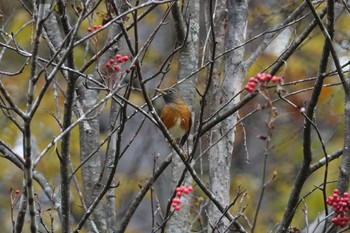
[(175, 114)]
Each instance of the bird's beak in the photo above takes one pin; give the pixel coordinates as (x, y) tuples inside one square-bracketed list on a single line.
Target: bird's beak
[(160, 91)]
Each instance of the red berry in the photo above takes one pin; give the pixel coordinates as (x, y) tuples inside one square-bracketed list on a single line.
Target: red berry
[(95, 27), (178, 189), (119, 60), (260, 77), (190, 188), (89, 29), (118, 56), (185, 191), (249, 88), (176, 200), (264, 77), (177, 208), (342, 223), (99, 26), (268, 76), (253, 79), (252, 84), (111, 61), (178, 194), (125, 58), (336, 191), (173, 204), (108, 66), (116, 68), (17, 191), (346, 194), (276, 79)]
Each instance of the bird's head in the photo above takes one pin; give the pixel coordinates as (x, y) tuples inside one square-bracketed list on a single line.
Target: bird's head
[(170, 95)]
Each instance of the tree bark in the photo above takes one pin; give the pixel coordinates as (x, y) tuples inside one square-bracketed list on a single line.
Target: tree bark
[(188, 64), (223, 134)]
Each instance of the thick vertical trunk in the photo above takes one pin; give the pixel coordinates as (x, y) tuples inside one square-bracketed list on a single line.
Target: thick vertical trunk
[(188, 63), (225, 89)]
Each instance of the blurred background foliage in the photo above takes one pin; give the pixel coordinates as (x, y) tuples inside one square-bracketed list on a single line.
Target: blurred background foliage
[(284, 151)]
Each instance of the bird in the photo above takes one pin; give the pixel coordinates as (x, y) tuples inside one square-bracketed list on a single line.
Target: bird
[(176, 114)]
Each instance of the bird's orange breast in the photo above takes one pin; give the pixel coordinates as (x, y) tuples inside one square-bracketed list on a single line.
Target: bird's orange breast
[(177, 119)]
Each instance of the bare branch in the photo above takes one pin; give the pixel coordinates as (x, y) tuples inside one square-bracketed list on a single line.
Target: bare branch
[(309, 114)]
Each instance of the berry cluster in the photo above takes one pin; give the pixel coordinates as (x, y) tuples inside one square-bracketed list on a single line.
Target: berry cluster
[(113, 64), (263, 79), (176, 202), (95, 27), (341, 206)]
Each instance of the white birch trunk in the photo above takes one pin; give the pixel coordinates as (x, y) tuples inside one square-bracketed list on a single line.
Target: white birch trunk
[(220, 155), (188, 63)]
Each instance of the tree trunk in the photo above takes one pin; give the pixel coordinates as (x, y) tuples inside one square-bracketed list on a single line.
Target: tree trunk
[(188, 64), (223, 134)]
